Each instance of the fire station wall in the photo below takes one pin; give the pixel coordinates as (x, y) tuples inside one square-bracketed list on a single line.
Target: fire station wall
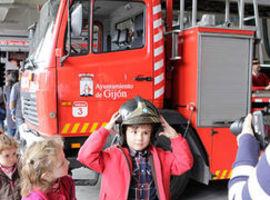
[(223, 78)]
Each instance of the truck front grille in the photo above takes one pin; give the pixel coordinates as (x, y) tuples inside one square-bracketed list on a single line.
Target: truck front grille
[(29, 107)]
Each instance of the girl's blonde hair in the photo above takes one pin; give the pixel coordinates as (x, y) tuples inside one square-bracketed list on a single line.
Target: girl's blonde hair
[(7, 142), (39, 158)]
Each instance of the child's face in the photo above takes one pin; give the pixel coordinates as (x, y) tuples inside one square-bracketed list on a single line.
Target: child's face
[(8, 157), (61, 168), (138, 136)]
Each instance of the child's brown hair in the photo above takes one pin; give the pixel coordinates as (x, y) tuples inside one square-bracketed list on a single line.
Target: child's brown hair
[(39, 159), (7, 142)]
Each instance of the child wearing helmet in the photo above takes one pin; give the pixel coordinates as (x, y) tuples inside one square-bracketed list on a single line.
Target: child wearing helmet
[(136, 168)]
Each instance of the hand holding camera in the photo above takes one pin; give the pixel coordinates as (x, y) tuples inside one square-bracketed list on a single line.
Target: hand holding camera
[(257, 124), (247, 125)]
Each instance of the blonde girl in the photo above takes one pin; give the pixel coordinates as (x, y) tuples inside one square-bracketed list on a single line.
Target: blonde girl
[(44, 174)]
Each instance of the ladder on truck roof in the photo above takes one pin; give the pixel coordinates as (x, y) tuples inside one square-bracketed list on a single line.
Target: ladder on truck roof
[(241, 9), (259, 40)]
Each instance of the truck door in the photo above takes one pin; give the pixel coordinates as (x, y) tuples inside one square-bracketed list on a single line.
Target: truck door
[(110, 62)]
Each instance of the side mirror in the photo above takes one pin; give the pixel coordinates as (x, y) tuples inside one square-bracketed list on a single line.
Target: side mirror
[(76, 21)]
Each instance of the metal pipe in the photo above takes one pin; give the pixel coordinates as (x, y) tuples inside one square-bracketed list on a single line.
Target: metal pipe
[(181, 15), (256, 15), (227, 11), (258, 30), (241, 7), (169, 16), (194, 12)]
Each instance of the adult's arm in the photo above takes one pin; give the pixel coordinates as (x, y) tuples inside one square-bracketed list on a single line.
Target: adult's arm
[(13, 100), (250, 177), (13, 97)]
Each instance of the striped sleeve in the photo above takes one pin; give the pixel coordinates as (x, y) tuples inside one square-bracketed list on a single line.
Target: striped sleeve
[(250, 178)]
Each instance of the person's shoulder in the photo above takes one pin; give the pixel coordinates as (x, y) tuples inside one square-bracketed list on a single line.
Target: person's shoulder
[(67, 181), (115, 151), (35, 196), (66, 178), (166, 149), (16, 86), (263, 75), (157, 149)]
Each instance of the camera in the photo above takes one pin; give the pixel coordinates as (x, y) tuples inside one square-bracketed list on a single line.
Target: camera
[(260, 125)]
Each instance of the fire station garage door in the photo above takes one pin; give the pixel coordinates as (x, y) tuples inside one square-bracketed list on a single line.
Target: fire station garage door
[(224, 83)]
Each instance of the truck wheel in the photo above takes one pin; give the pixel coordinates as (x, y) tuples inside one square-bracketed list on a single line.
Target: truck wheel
[(178, 185)]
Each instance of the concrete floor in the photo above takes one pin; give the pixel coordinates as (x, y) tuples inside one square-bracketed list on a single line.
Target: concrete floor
[(194, 191)]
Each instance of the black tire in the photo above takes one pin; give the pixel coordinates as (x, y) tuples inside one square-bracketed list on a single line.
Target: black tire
[(178, 185)]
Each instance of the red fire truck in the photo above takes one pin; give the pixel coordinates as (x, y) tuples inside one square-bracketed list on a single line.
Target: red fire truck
[(90, 56)]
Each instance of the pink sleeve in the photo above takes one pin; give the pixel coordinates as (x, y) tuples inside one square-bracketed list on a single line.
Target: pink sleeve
[(182, 156), (91, 153)]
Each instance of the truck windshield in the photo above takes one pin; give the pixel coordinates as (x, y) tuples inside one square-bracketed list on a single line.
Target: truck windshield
[(43, 32), (117, 25)]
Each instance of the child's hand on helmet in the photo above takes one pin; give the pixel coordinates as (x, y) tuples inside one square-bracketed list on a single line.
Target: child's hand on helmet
[(112, 121), (168, 131)]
